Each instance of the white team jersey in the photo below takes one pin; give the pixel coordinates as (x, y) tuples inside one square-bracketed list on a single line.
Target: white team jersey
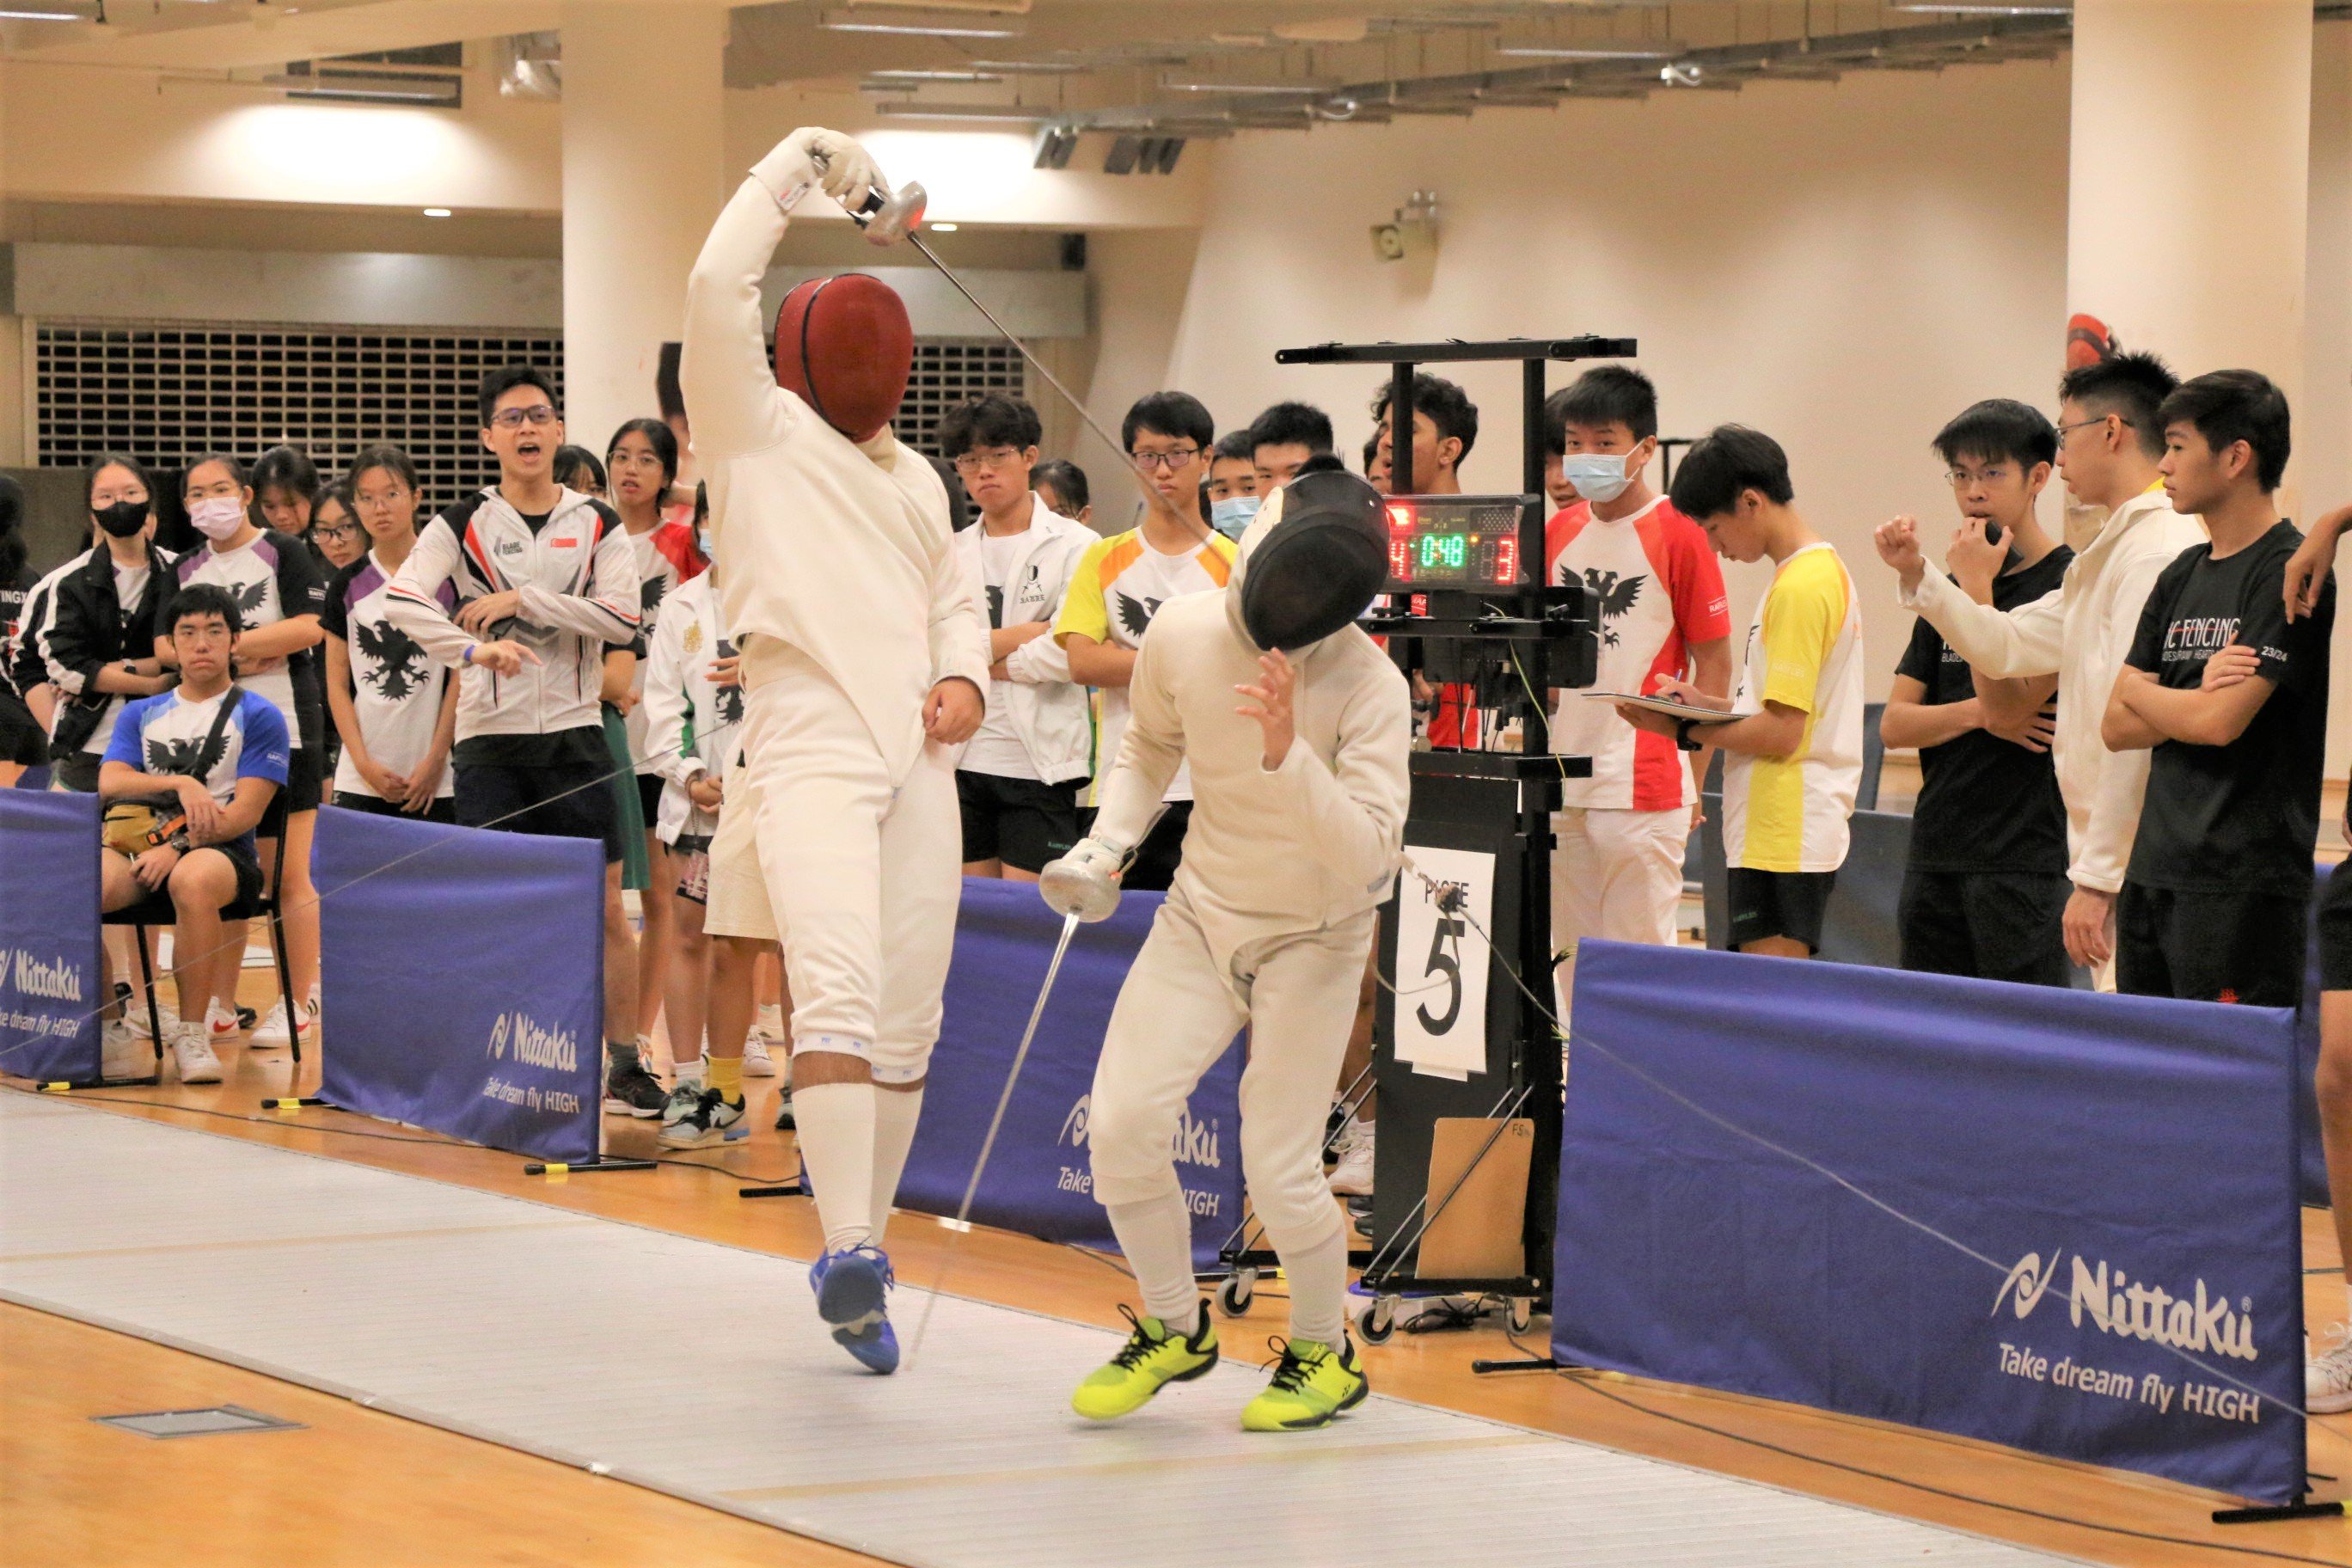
[(396, 689)]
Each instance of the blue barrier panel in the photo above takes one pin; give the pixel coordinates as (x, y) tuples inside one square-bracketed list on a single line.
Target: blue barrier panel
[(464, 971), (2119, 1171), (49, 977), (2314, 1174), (1038, 1180)]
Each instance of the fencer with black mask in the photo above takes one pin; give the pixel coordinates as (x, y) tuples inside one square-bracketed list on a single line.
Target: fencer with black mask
[(864, 662), (1296, 729)]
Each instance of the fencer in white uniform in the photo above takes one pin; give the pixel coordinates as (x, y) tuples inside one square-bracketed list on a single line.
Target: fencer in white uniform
[(865, 660), (1297, 729)]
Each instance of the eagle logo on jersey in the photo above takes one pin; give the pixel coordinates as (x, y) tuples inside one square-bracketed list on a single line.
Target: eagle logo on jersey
[(1136, 614), (1611, 596), (730, 705), (650, 592), (175, 756), (251, 594), (398, 658)]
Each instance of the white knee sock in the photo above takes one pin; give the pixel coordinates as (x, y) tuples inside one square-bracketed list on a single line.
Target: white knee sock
[(1157, 1236), (689, 1069), (1319, 1289), (835, 1123), (894, 1134)]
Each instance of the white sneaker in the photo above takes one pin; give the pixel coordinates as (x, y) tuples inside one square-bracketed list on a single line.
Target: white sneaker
[(220, 1020), (2327, 1380), (1352, 1176), (134, 1016), (125, 1053), (270, 1033), (757, 1062), (770, 1024), (197, 1063)]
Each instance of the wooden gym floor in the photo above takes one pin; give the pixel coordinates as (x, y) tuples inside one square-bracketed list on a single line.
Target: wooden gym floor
[(355, 1487)]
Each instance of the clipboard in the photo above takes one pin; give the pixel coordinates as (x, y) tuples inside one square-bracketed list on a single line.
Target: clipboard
[(1666, 705)]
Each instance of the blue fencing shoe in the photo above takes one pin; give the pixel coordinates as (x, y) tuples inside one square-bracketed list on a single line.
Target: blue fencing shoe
[(852, 1287)]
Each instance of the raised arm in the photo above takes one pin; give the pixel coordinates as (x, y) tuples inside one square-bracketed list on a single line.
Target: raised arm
[(723, 374)]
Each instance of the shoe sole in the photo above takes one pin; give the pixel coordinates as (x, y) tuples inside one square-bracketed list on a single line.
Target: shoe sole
[(2328, 1403), (1355, 1397), (1203, 1370), (753, 1068), (670, 1140), (850, 1298), (623, 1108)]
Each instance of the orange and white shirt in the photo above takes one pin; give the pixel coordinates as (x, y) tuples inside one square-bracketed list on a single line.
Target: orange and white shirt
[(1805, 650), (1654, 589), (1117, 586)]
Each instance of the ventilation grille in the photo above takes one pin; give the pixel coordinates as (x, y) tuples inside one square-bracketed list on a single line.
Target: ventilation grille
[(167, 393), (949, 370)]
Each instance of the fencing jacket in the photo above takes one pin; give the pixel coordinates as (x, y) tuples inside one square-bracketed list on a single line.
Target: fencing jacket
[(840, 548), (1304, 846), (2083, 633), (577, 574)]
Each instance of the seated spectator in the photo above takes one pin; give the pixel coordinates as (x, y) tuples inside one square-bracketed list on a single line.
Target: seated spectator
[(1062, 485), (1282, 440), (212, 757)]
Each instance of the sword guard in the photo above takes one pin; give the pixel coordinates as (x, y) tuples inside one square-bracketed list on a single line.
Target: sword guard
[(888, 220)]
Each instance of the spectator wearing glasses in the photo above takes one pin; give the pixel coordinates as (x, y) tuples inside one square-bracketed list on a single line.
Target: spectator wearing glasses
[(335, 534), (548, 581), (1121, 581), (1018, 779), (1062, 485), (395, 709)]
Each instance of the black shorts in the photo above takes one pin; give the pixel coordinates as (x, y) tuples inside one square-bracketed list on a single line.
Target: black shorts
[(1989, 925), (649, 794), (2335, 930), (2211, 947), (1021, 822), (1162, 852), (305, 778), (1777, 903), (249, 880), (77, 774), (442, 809), (554, 803)]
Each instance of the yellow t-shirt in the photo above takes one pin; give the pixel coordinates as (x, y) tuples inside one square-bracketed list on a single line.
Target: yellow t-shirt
[(1119, 585), (1805, 650)]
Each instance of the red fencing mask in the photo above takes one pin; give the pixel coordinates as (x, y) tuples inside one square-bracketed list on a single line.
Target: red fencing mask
[(844, 345)]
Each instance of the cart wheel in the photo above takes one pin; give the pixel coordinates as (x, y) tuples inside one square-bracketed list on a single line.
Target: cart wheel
[(1234, 1296), (1377, 1321), (1519, 1312)]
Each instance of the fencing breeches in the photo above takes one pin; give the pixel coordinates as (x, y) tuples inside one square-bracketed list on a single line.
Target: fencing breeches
[(1179, 1009)]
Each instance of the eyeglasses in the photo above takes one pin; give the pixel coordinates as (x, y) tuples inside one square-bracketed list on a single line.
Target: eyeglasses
[(1995, 474), (975, 462), (516, 418), (342, 530), (378, 500), (1165, 462), (2066, 430)]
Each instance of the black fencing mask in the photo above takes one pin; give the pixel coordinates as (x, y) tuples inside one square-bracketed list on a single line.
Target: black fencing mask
[(1316, 557)]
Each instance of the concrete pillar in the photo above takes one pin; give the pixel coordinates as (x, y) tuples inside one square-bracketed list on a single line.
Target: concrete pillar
[(643, 149), (2190, 184)]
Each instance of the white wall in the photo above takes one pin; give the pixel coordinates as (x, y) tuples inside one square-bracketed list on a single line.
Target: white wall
[(1841, 266)]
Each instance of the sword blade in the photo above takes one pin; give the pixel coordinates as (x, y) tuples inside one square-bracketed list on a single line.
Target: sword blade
[(988, 1144)]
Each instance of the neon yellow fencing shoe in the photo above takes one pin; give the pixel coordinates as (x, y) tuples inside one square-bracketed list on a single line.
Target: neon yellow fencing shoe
[(1153, 1357), (1312, 1383)]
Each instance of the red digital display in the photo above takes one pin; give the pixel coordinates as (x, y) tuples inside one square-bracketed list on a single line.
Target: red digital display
[(1466, 541)]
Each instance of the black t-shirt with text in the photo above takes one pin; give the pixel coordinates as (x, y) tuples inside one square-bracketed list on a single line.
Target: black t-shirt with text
[(1985, 804), (2242, 817)]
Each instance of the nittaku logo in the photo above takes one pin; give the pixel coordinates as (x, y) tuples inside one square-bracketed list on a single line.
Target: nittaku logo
[(534, 1044), (1196, 1143), (58, 981), (2199, 1323)]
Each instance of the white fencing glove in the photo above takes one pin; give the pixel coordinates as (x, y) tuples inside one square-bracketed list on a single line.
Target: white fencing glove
[(1084, 883), (844, 168)]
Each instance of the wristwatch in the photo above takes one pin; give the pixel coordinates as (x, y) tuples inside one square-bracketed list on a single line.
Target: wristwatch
[(1683, 735)]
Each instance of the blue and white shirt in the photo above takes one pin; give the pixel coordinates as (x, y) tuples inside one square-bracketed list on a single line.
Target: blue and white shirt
[(166, 733)]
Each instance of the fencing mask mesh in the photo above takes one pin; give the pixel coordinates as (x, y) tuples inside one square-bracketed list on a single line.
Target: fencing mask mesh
[(1311, 571)]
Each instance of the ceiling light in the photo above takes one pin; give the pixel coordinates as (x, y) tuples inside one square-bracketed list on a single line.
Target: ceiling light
[(1588, 51), (437, 212), (1267, 88), (1029, 68), (961, 26), (960, 112), (914, 76), (943, 228), (446, 92), (1962, 8), (21, 12)]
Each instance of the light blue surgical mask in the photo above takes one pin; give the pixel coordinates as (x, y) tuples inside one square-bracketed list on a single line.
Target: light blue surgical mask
[(1232, 515), (1597, 476)]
